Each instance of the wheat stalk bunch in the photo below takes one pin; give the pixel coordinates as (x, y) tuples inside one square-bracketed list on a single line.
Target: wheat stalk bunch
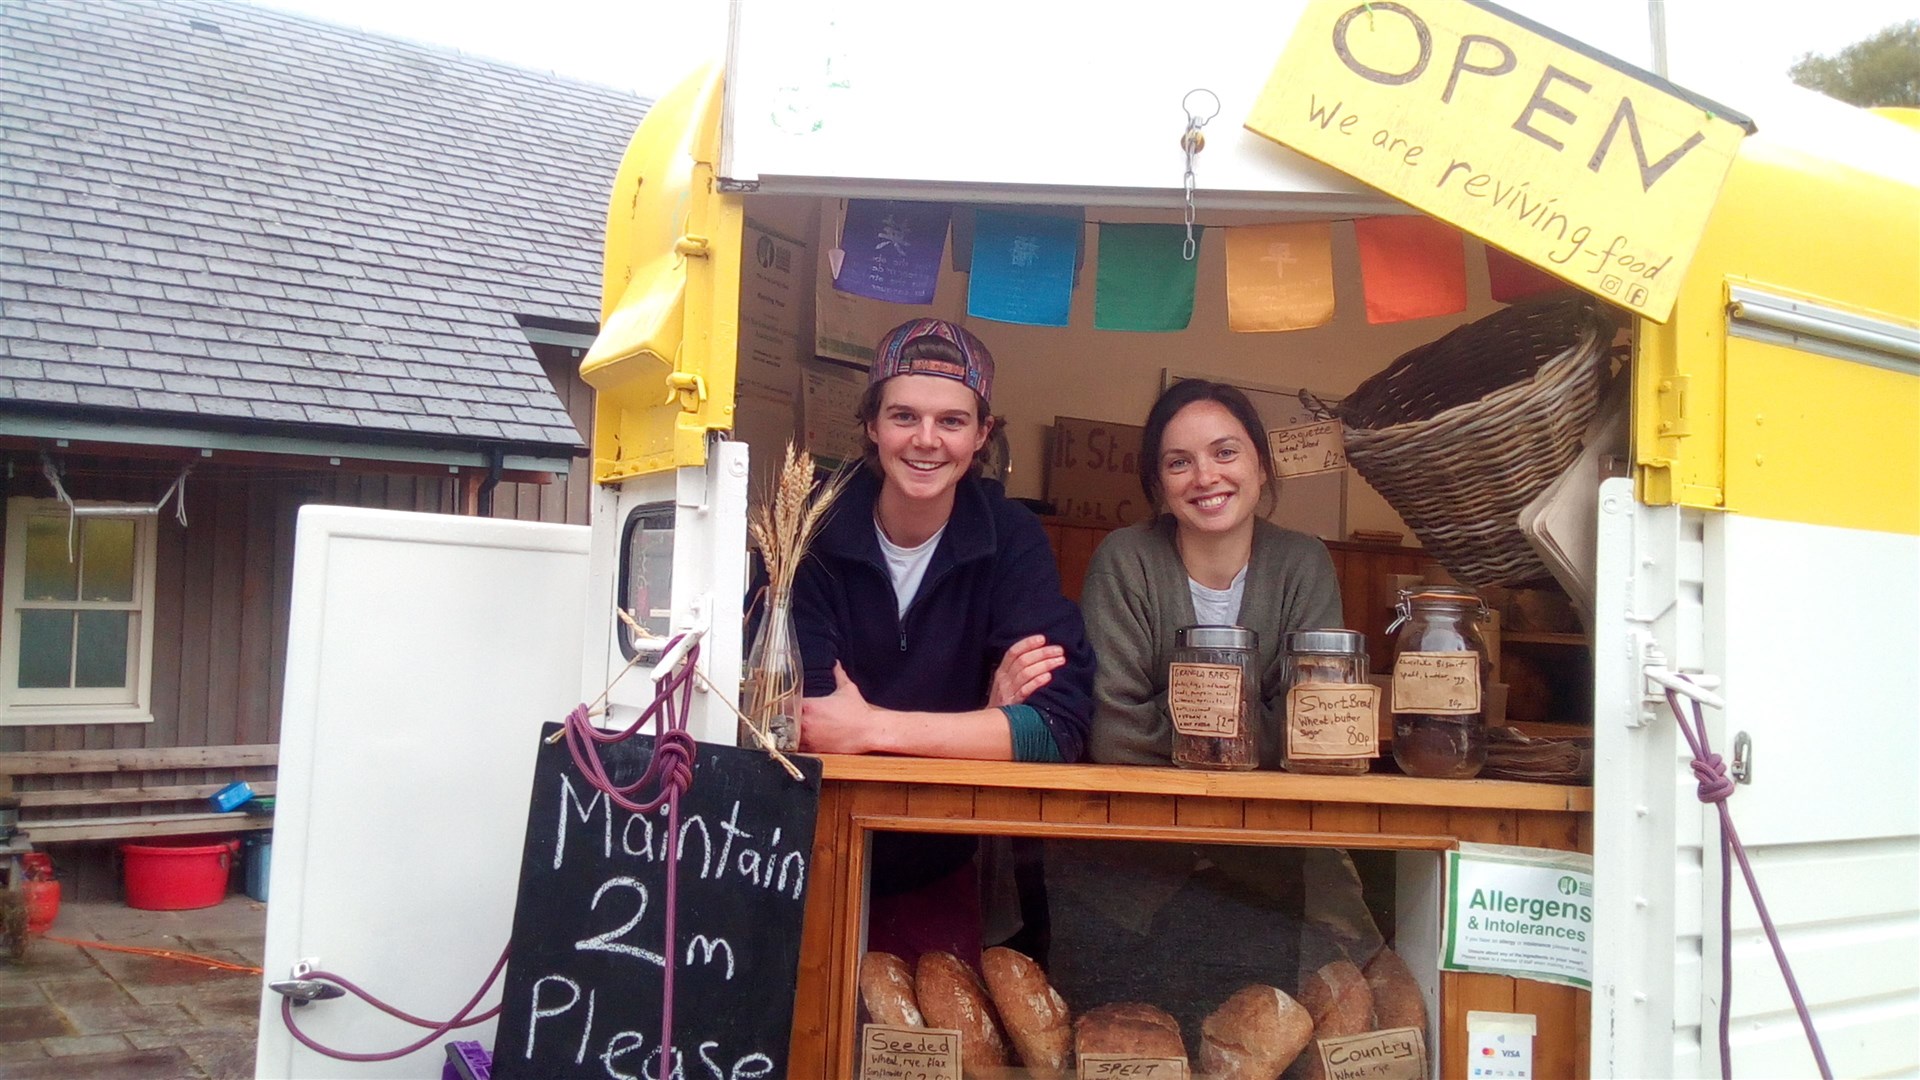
[(789, 515)]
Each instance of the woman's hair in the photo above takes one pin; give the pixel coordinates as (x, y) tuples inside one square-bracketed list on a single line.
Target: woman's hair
[(1182, 394), (869, 410)]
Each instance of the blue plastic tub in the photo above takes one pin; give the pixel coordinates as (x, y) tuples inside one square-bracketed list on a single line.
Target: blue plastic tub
[(259, 864)]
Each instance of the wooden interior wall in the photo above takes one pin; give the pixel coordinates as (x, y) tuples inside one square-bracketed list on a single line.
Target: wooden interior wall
[(1365, 572)]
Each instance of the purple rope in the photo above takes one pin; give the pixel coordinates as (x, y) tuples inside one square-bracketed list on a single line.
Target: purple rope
[(439, 1028), (1714, 787), (672, 768)]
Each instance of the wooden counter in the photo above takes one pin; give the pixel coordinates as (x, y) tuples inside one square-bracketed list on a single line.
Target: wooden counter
[(1119, 802)]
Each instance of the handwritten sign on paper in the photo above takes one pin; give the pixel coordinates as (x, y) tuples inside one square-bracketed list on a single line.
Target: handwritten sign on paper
[(1309, 449), (1438, 683), (896, 1053), (1121, 1067), (1333, 720), (1205, 699), (1586, 167), (1393, 1054), (1093, 473)]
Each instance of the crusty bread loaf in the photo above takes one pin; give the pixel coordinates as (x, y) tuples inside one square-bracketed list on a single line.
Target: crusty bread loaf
[(1338, 999), (951, 996), (1035, 1017), (887, 987), (1397, 1001), (1253, 1035), (1131, 1029)]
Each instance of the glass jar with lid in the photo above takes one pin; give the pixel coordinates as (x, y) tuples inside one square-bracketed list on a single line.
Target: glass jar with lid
[(1213, 694), (1332, 719), (1440, 669)]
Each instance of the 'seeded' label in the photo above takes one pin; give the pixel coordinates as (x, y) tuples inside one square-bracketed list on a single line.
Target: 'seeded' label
[(897, 1053), (1438, 683), (1333, 720), (1206, 699)]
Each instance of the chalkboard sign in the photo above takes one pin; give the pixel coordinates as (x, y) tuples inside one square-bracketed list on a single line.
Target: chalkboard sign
[(584, 981)]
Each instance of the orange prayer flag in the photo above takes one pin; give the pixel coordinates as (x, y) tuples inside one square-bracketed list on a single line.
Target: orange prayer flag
[(1411, 268), (1279, 277), (1509, 279)]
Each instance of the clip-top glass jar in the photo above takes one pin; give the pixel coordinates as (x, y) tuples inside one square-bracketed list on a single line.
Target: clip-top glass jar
[(1213, 694), (1332, 726), (1440, 669)]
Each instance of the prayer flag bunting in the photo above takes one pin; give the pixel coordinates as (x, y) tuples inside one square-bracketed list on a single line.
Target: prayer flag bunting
[(1143, 281), (892, 250), (1510, 279), (1411, 268), (1279, 277), (1023, 268)]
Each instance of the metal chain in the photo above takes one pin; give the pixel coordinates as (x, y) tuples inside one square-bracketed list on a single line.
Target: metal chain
[(1191, 143)]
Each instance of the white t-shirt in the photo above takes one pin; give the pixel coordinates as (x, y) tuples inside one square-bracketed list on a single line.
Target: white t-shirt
[(906, 566), (1218, 607)]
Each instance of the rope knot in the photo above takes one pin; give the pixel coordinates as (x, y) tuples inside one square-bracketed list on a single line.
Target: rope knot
[(1715, 784), (674, 749)]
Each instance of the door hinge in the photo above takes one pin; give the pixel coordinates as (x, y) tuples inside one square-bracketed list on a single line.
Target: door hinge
[(1671, 409)]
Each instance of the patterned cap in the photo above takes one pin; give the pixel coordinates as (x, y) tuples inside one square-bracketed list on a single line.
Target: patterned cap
[(976, 370)]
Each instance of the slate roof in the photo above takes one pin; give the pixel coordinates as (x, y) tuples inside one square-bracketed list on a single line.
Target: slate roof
[(222, 216)]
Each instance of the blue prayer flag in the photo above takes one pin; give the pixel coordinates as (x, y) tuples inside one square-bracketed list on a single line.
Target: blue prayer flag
[(892, 250), (1023, 268)]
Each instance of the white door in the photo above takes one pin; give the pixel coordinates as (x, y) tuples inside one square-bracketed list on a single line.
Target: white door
[(424, 655)]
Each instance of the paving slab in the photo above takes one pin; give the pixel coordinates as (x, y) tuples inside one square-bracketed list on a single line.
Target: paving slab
[(76, 1045), (20, 1023), (117, 1065)]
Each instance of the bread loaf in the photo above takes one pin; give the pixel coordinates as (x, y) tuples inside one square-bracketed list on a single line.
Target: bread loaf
[(1035, 1017), (1131, 1029), (1338, 999), (887, 988), (1397, 1001), (951, 996), (1253, 1035)]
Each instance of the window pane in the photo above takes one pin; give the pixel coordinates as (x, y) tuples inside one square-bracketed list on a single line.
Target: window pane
[(106, 559), (46, 649), (50, 575), (102, 657)]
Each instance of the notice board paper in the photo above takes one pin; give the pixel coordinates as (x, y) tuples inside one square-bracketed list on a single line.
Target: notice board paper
[(1590, 169), (1524, 912)]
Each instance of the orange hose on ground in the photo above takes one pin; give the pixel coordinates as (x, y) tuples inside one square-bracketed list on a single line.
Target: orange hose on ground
[(164, 954)]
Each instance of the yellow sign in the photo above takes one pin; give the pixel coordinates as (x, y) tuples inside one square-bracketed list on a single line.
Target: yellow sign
[(1569, 159)]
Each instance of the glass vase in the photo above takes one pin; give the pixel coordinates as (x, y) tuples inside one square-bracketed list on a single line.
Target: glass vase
[(774, 679)]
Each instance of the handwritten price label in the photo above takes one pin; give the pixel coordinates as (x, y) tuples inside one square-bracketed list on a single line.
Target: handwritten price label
[(1121, 1067), (1437, 683), (1393, 1054), (1309, 449), (895, 1053), (1333, 720), (1205, 699)]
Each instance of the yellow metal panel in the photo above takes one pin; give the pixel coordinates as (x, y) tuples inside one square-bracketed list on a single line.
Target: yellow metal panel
[(1795, 226), (1600, 177), (1820, 440), (663, 364)]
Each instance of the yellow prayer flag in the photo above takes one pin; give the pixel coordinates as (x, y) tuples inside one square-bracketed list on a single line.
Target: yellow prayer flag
[(1279, 277)]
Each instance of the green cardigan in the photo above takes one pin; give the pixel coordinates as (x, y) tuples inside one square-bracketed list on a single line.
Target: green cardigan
[(1136, 597)]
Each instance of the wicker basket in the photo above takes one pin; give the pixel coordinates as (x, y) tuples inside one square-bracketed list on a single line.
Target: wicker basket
[(1461, 433)]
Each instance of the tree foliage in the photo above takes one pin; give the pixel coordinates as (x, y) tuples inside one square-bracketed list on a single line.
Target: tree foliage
[(1881, 70)]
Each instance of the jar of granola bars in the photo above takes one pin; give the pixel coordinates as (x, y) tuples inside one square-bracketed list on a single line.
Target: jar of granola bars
[(1213, 694)]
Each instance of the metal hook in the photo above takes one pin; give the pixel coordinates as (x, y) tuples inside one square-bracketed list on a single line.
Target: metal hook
[(1194, 120)]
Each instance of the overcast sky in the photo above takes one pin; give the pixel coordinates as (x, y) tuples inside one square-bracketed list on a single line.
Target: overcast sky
[(649, 45)]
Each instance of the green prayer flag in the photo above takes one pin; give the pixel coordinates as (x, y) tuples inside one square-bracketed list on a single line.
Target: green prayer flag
[(1143, 282)]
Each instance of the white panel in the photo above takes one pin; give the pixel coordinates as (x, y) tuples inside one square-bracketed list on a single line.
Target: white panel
[(1064, 95), (424, 653), (1818, 634)]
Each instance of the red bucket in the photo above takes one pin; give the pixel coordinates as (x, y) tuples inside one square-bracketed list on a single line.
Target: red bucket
[(176, 875)]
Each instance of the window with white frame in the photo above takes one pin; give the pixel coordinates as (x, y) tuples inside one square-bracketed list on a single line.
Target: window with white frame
[(77, 643)]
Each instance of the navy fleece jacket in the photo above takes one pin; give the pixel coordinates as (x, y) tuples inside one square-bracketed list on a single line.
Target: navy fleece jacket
[(991, 582)]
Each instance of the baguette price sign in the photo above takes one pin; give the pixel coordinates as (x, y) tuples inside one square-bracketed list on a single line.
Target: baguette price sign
[(1579, 163)]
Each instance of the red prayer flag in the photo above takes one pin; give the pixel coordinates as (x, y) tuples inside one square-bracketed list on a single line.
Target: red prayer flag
[(1411, 268), (1510, 279)]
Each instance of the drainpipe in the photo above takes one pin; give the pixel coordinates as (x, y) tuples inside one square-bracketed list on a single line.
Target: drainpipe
[(496, 457)]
